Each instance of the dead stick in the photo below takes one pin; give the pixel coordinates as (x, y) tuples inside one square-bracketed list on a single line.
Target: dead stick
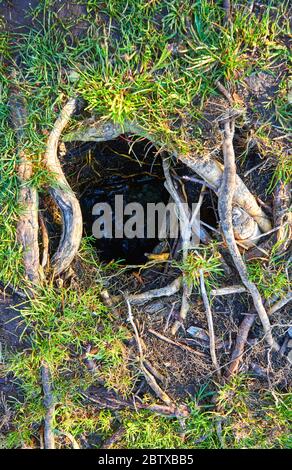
[(64, 196), (49, 439), (226, 193), (176, 343), (241, 339), (209, 320)]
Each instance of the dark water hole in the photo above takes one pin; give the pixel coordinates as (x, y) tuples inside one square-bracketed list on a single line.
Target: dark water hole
[(130, 169)]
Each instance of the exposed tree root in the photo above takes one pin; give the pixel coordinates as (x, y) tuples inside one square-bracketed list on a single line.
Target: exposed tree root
[(150, 379), (114, 438), (185, 233), (209, 320), (63, 196), (241, 339), (49, 440), (27, 226), (210, 170), (166, 291), (69, 436), (226, 195), (281, 303), (283, 215), (228, 290)]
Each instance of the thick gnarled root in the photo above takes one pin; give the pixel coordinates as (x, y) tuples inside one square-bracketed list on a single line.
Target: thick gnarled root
[(212, 172), (27, 226), (64, 197)]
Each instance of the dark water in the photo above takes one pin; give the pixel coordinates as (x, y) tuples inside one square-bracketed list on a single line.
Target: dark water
[(138, 180)]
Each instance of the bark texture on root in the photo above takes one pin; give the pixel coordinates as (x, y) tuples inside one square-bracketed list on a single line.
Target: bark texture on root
[(226, 195), (27, 226), (210, 170), (241, 339), (63, 196), (282, 215)]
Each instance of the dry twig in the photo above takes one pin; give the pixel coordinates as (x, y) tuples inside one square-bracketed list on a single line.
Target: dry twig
[(176, 343), (281, 303), (63, 196), (209, 320)]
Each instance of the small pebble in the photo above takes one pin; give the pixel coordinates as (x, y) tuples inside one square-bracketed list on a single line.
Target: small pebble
[(198, 333)]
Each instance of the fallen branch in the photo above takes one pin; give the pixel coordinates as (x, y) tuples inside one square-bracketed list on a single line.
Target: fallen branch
[(241, 339), (63, 196), (225, 201), (49, 439), (209, 320), (27, 225)]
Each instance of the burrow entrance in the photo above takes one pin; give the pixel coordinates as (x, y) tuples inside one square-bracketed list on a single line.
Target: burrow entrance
[(132, 168)]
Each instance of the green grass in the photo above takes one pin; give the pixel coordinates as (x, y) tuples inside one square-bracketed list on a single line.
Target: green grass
[(155, 62), (271, 278), (207, 259)]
